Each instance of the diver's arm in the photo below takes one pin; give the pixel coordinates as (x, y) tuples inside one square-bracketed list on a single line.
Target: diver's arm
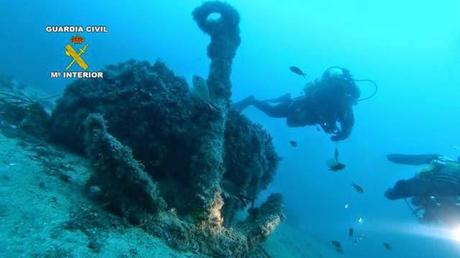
[(346, 120)]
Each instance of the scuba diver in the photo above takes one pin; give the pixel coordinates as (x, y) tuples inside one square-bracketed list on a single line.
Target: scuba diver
[(434, 192), (327, 102)]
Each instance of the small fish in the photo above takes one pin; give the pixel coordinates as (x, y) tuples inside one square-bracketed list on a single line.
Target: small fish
[(336, 244), (200, 91), (335, 166), (200, 88), (351, 232), (358, 188), (387, 246), (297, 71), (339, 250), (293, 143)]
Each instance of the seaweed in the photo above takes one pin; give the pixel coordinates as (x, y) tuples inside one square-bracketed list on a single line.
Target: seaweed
[(20, 109)]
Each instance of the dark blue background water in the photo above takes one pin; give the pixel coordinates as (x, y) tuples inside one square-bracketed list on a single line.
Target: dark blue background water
[(411, 49)]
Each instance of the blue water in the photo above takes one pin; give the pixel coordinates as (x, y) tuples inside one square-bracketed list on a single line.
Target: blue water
[(410, 48)]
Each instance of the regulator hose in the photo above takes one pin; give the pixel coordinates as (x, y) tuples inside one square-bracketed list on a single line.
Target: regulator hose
[(376, 89), (348, 76)]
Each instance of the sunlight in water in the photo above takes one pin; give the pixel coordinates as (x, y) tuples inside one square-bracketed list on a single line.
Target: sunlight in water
[(455, 234), (445, 233)]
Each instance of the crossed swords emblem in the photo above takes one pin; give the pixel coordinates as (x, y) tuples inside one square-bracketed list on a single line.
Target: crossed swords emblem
[(76, 57)]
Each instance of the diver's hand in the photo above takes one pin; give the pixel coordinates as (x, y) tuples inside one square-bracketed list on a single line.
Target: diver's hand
[(334, 130), (346, 121), (343, 133), (329, 128), (338, 137)]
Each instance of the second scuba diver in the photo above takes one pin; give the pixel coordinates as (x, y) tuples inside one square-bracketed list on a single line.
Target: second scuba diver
[(434, 193)]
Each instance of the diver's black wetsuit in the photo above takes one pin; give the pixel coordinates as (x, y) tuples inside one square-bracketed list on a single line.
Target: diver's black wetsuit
[(327, 102)]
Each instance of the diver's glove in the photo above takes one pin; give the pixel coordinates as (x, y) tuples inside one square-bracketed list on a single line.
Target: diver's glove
[(329, 128), (341, 133), (346, 121), (338, 137), (337, 133)]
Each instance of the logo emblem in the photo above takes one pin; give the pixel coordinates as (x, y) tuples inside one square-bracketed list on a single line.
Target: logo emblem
[(77, 39), (76, 47), (76, 57)]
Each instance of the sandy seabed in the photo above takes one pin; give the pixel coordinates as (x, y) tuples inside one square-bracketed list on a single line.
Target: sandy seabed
[(41, 187)]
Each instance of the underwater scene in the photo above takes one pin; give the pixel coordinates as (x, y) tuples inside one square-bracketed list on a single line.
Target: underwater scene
[(234, 128)]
